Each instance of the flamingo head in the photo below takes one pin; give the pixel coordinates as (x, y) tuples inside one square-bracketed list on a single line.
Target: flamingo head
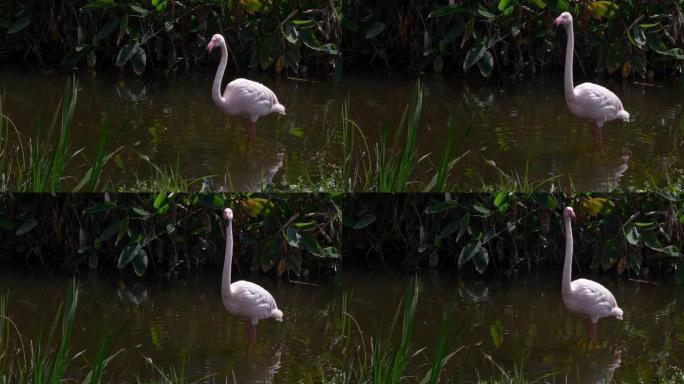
[(228, 214), (564, 19), (216, 40), (569, 213)]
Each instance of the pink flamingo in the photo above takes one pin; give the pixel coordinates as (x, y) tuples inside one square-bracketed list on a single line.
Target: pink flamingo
[(242, 97), (585, 297), (243, 298), (588, 101)]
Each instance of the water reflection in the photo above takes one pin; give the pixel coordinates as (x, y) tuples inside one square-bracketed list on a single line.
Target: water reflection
[(523, 127), (520, 323)]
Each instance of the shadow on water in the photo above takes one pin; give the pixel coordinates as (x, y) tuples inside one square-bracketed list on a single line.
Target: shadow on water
[(519, 127), (522, 324)]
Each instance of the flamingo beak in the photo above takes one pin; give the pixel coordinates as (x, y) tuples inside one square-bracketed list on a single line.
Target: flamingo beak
[(557, 21), (210, 46)]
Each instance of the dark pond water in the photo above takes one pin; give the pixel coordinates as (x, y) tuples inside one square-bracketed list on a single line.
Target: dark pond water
[(521, 323), (524, 127)]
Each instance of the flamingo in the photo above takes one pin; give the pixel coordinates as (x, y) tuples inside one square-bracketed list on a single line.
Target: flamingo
[(242, 97), (588, 101), (243, 298), (585, 297)]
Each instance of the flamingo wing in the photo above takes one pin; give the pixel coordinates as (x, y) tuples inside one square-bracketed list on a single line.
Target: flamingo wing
[(247, 97), (592, 299), (597, 103), (255, 302)]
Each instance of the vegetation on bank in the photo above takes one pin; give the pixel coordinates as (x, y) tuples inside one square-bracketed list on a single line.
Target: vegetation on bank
[(632, 38), (507, 233), (167, 233)]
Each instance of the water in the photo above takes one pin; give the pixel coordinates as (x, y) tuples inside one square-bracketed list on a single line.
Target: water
[(519, 323), (523, 127)]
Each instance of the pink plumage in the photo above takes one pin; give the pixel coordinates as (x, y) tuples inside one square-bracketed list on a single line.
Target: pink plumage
[(242, 97), (584, 297), (588, 101), (243, 298)]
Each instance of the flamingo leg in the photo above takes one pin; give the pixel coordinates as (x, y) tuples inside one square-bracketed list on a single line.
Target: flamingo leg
[(597, 133), (252, 133), (594, 327), (587, 329), (253, 333)]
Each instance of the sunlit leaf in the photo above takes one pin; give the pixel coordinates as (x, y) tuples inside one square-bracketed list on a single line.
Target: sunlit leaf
[(497, 333), (598, 205), (330, 252), (599, 9), (639, 36), (293, 237), (632, 235), (256, 206), (140, 262), (310, 40), (290, 33), (127, 255)]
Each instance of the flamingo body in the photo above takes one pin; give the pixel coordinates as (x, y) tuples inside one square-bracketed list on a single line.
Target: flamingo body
[(585, 297), (588, 101), (241, 97), (243, 298)]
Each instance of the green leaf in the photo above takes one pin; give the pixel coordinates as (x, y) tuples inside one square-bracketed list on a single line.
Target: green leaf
[(270, 48), (496, 332), (677, 53), (444, 11), (111, 229), (127, 255), (598, 205), (473, 56), (330, 252), (481, 260), (503, 4), (639, 36), (449, 229), (454, 32), (469, 251), (615, 57), (311, 245), (140, 262), (488, 15), (105, 31), (142, 11), (374, 30), (310, 40), (632, 235), (484, 211), (329, 48), (126, 52), (296, 131), (443, 206), (539, 3), (138, 60), (655, 43), (26, 226), (302, 22), (141, 212), (602, 8), (159, 200), (290, 33), (293, 237), (486, 64), (19, 24), (97, 4), (212, 200), (500, 199), (546, 200), (364, 221)]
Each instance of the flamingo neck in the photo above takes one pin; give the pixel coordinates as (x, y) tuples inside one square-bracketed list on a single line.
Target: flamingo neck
[(567, 264), (569, 51), (227, 261), (216, 89)]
